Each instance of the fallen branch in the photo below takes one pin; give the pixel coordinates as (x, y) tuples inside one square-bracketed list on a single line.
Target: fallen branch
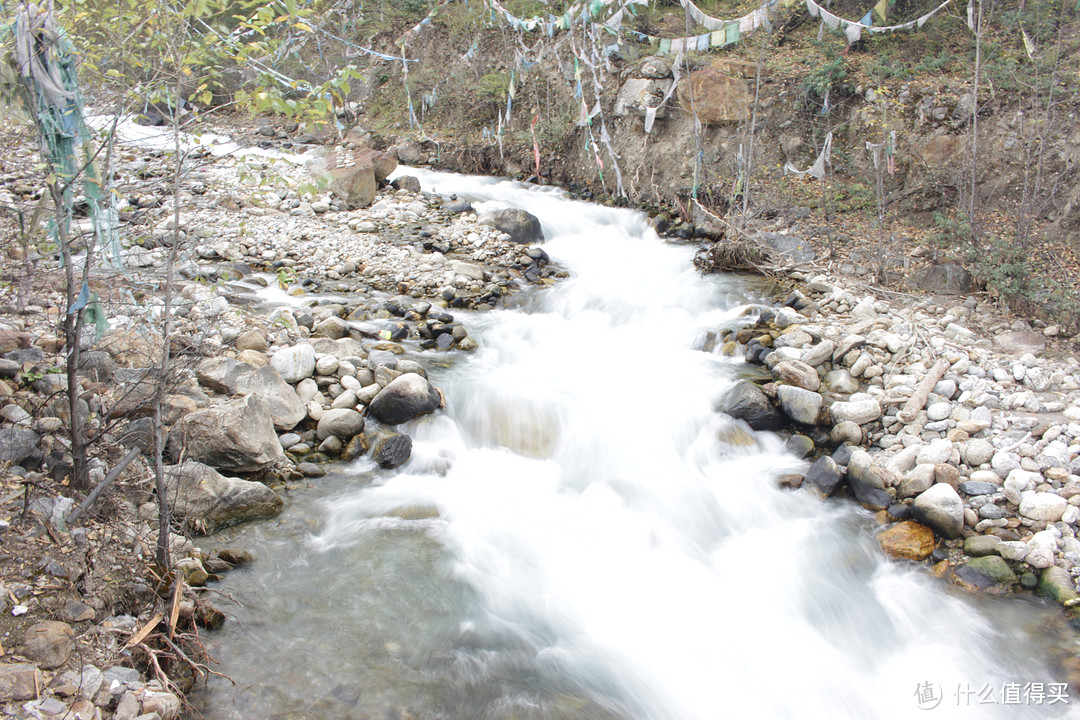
[(922, 391), (101, 486)]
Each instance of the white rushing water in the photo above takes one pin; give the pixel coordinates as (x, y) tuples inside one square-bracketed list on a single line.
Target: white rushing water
[(606, 544)]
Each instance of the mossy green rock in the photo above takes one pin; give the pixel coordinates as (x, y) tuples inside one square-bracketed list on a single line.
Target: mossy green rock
[(990, 574), (1057, 585)]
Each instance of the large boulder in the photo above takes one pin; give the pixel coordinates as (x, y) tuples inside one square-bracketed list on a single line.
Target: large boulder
[(221, 374), (354, 183), (237, 436), (941, 509), (383, 163), (522, 227), (945, 279), (715, 98), (639, 94), (746, 401), (405, 398), (208, 501), (284, 404)]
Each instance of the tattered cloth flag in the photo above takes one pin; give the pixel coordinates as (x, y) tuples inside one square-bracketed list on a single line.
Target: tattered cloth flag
[(817, 170)]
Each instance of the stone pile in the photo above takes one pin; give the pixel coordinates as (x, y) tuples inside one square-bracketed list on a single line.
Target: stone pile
[(955, 426)]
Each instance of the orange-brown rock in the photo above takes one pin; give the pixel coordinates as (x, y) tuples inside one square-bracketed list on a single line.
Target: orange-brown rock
[(714, 97), (908, 540)]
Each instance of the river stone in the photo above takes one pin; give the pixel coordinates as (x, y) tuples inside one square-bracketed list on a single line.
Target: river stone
[(238, 435), (840, 381), (332, 327), (746, 401), (252, 340), (941, 509), (917, 481), (866, 481), (980, 545), (908, 540), (818, 354), (17, 444), (1004, 462), (164, 704), (989, 574), (221, 374), (977, 451), (1057, 585), (939, 411), (393, 451), (846, 432), (1043, 506), (48, 644), (281, 399), (794, 372), (294, 363), (522, 227), (801, 405), (825, 475), (342, 423), (990, 511), (19, 681), (208, 501), (936, 452), (859, 412)]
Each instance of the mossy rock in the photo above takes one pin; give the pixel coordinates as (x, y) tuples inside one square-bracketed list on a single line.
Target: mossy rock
[(989, 574)]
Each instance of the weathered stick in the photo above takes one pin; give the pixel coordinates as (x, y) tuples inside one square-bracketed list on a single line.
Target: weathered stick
[(922, 391), (96, 492)]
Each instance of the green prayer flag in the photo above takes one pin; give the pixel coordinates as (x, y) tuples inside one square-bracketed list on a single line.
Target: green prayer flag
[(732, 30)]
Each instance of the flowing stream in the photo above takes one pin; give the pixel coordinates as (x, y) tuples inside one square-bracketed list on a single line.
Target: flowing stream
[(581, 535)]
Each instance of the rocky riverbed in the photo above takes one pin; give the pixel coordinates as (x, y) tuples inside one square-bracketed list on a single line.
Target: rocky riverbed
[(302, 331), (959, 427)]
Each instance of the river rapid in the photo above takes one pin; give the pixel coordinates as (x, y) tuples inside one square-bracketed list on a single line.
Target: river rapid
[(579, 534)]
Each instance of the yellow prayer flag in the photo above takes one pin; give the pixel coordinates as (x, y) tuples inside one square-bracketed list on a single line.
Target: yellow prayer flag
[(1028, 45), (881, 7)]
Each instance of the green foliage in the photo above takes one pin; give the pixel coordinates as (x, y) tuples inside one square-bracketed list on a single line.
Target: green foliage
[(829, 75)]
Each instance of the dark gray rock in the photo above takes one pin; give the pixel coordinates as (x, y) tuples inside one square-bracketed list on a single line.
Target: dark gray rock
[(976, 487), (405, 398), (406, 182), (745, 401), (866, 481), (393, 451), (522, 227), (825, 475)]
